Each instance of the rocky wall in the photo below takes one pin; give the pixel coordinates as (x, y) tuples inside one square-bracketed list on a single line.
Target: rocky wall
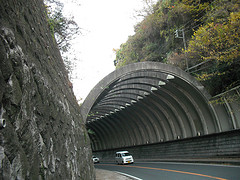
[(44, 137)]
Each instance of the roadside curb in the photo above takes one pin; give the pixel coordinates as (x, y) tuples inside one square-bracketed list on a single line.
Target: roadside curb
[(207, 161), (225, 161)]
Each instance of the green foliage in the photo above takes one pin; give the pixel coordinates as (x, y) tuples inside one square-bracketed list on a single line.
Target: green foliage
[(219, 44), (226, 97), (154, 36), (62, 28), (90, 131), (211, 33), (41, 171)]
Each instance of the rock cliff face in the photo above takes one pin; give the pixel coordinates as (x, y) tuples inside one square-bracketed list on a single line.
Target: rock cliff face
[(44, 137)]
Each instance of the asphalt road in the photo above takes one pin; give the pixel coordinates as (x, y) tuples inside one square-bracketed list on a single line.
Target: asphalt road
[(175, 171)]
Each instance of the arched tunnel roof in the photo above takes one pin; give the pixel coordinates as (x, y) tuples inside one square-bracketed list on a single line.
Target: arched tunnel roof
[(147, 102)]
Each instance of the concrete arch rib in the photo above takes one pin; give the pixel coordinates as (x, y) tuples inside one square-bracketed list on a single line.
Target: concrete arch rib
[(130, 136), (162, 118), (183, 111), (98, 136), (129, 123), (102, 128), (138, 122), (148, 125), (110, 131), (174, 119), (115, 76), (200, 121), (176, 104), (205, 118), (159, 128), (118, 129)]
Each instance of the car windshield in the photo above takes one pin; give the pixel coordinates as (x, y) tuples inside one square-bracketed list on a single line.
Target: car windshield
[(126, 154)]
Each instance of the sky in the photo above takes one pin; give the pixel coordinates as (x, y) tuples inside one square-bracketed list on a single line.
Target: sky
[(105, 24)]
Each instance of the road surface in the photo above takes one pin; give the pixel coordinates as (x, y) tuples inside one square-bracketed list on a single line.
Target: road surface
[(174, 171)]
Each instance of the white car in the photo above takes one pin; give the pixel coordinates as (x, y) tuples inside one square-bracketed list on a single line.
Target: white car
[(123, 157), (95, 159)]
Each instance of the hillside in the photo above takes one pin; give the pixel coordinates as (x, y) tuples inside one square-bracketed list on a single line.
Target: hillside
[(201, 37)]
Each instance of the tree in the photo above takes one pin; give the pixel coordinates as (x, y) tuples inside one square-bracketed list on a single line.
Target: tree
[(219, 44), (64, 30), (211, 31), (148, 8)]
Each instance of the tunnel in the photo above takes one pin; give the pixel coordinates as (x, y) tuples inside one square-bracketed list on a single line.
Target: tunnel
[(148, 103)]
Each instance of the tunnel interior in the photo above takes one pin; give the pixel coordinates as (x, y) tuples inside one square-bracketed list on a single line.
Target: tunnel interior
[(147, 103)]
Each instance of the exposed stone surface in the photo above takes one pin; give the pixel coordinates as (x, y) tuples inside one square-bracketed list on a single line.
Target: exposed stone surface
[(45, 137)]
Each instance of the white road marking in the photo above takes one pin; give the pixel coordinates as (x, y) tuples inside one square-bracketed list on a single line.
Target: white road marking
[(133, 177)]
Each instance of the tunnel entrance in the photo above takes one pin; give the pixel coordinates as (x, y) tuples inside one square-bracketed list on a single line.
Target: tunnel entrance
[(147, 103)]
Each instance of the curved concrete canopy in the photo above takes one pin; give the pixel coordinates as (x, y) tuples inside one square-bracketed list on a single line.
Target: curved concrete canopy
[(145, 103)]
